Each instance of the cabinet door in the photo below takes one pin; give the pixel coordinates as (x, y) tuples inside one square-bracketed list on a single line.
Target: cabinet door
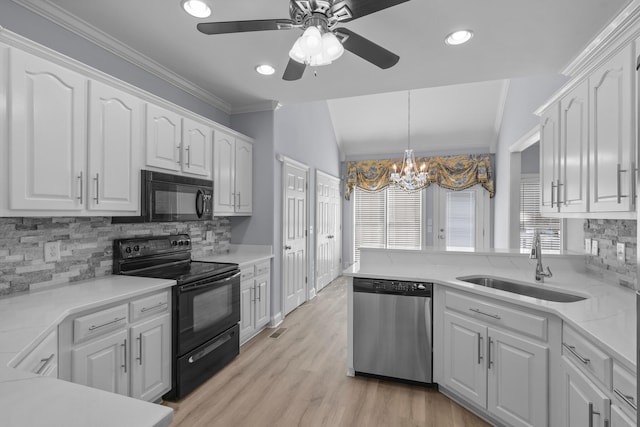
[(114, 142), (47, 141), (611, 136), (549, 159), (244, 176), (42, 360), (620, 419), (163, 133), (574, 131), (224, 158), (103, 363), (517, 380), (196, 148), (464, 358), (151, 358), (247, 311), (262, 300), (585, 404)]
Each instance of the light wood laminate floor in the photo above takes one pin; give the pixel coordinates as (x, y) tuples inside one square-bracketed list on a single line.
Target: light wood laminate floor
[(299, 379)]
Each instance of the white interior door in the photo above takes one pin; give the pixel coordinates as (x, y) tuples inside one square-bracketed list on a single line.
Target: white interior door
[(294, 224), (328, 224), (462, 219)]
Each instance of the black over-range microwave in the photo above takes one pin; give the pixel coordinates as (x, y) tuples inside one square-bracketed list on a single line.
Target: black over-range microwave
[(166, 197)]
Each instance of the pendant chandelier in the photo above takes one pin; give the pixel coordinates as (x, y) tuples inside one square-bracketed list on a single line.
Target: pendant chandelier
[(409, 178)]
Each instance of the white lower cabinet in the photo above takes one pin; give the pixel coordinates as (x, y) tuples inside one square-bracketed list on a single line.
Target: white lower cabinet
[(255, 299), (43, 359), (124, 349), (584, 403)]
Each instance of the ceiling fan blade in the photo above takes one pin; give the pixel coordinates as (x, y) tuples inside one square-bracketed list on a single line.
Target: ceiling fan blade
[(360, 8), (293, 71), (244, 26), (367, 50)]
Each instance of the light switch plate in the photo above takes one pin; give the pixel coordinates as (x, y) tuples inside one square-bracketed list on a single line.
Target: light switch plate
[(620, 251), (209, 235), (587, 246), (594, 247), (52, 251)]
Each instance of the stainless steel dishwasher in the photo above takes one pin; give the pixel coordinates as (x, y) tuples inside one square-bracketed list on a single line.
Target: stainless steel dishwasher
[(392, 329)]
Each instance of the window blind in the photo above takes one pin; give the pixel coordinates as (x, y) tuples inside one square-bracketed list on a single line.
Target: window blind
[(531, 219)]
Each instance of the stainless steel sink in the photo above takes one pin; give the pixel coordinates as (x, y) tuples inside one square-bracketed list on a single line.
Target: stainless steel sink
[(521, 288)]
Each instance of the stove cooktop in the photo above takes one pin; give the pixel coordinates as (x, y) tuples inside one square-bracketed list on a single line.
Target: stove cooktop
[(186, 272)]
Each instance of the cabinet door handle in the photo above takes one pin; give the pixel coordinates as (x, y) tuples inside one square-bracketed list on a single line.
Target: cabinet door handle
[(179, 154), (45, 362), (116, 320), (81, 187), (619, 182), (553, 193), (591, 414), (259, 293), (125, 356), (239, 200), (558, 200), (493, 316), (628, 399), (139, 358), (634, 188), (572, 350), (479, 348), (97, 180), (489, 352), (188, 156)]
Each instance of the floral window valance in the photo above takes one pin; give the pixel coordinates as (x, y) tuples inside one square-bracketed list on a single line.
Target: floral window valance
[(452, 172)]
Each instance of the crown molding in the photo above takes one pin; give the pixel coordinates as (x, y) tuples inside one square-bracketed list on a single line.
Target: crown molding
[(83, 29), (255, 108)]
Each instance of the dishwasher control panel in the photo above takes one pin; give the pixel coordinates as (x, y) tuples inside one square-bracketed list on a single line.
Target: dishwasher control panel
[(394, 287)]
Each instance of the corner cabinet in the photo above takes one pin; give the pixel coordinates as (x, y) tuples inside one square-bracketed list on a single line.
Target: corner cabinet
[(233, 174)]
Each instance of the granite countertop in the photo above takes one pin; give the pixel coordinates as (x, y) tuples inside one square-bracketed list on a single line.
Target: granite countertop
[(31, 400), (242, 255), (607, 315)]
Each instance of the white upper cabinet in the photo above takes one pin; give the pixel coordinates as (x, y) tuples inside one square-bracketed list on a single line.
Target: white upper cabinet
[(163, 133), (115, 119), (232, 182), (612, 150), (47, 145), (549, 158), (196, 148)]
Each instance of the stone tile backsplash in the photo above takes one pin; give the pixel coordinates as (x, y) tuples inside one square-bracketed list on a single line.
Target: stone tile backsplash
[(85, 247), (608, 233)]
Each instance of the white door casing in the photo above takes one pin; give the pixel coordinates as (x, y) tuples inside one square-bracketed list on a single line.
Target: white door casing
[(294, 225)]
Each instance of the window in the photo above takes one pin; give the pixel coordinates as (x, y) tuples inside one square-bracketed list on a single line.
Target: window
[(462, 219), (531, 220), (391, 218)]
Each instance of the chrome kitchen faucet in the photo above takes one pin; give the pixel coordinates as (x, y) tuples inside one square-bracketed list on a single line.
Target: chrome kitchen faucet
[(536, 253)]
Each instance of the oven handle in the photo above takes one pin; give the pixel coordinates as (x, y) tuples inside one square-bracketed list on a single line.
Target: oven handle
[(199, 285), (220, 341)]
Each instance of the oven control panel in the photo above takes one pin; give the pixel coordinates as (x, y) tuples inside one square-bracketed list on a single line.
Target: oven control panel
[(149, 246)]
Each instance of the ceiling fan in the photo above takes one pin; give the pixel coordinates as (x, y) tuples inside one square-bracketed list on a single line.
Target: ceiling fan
[(321, 42)]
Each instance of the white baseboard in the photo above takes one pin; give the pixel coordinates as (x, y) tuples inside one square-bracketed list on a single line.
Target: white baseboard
[(312, 293), (275, 320)]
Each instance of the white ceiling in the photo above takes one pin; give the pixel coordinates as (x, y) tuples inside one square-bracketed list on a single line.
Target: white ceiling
[(513, 38)]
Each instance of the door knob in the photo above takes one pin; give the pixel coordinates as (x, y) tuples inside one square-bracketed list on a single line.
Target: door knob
[(286, 247)]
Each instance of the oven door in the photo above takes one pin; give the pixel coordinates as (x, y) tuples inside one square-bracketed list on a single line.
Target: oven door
[(178, 199), (205, 309)]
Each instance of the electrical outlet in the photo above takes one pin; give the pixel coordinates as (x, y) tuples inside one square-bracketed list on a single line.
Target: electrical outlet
[(209, 235), (620, 251), (594, 247), (587, 246), (52, 251)]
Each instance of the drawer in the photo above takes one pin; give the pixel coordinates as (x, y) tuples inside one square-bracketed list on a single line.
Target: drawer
[(498, 315), (43, 359), (98, 323), (154, 304), (246, 272), (262, 268), (586, 355), (624, 388)]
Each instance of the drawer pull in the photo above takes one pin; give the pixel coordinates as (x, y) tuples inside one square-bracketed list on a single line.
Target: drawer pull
[(494, 316), (116, 320), (629, 400), (572, 350), (45, 363), (160, 304)]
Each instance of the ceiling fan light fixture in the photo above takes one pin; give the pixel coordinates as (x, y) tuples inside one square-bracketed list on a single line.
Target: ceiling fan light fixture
[(331, 46), (196, 8), (265, 69), (311, 41), (458, 37)]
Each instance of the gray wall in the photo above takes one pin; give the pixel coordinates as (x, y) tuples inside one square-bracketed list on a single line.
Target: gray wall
[(530, 160), (524, 97), (32, 26)]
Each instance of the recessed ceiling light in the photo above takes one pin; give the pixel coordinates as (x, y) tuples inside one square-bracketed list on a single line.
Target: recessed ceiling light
[(196, 8), (265, 69), (459, 37)]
